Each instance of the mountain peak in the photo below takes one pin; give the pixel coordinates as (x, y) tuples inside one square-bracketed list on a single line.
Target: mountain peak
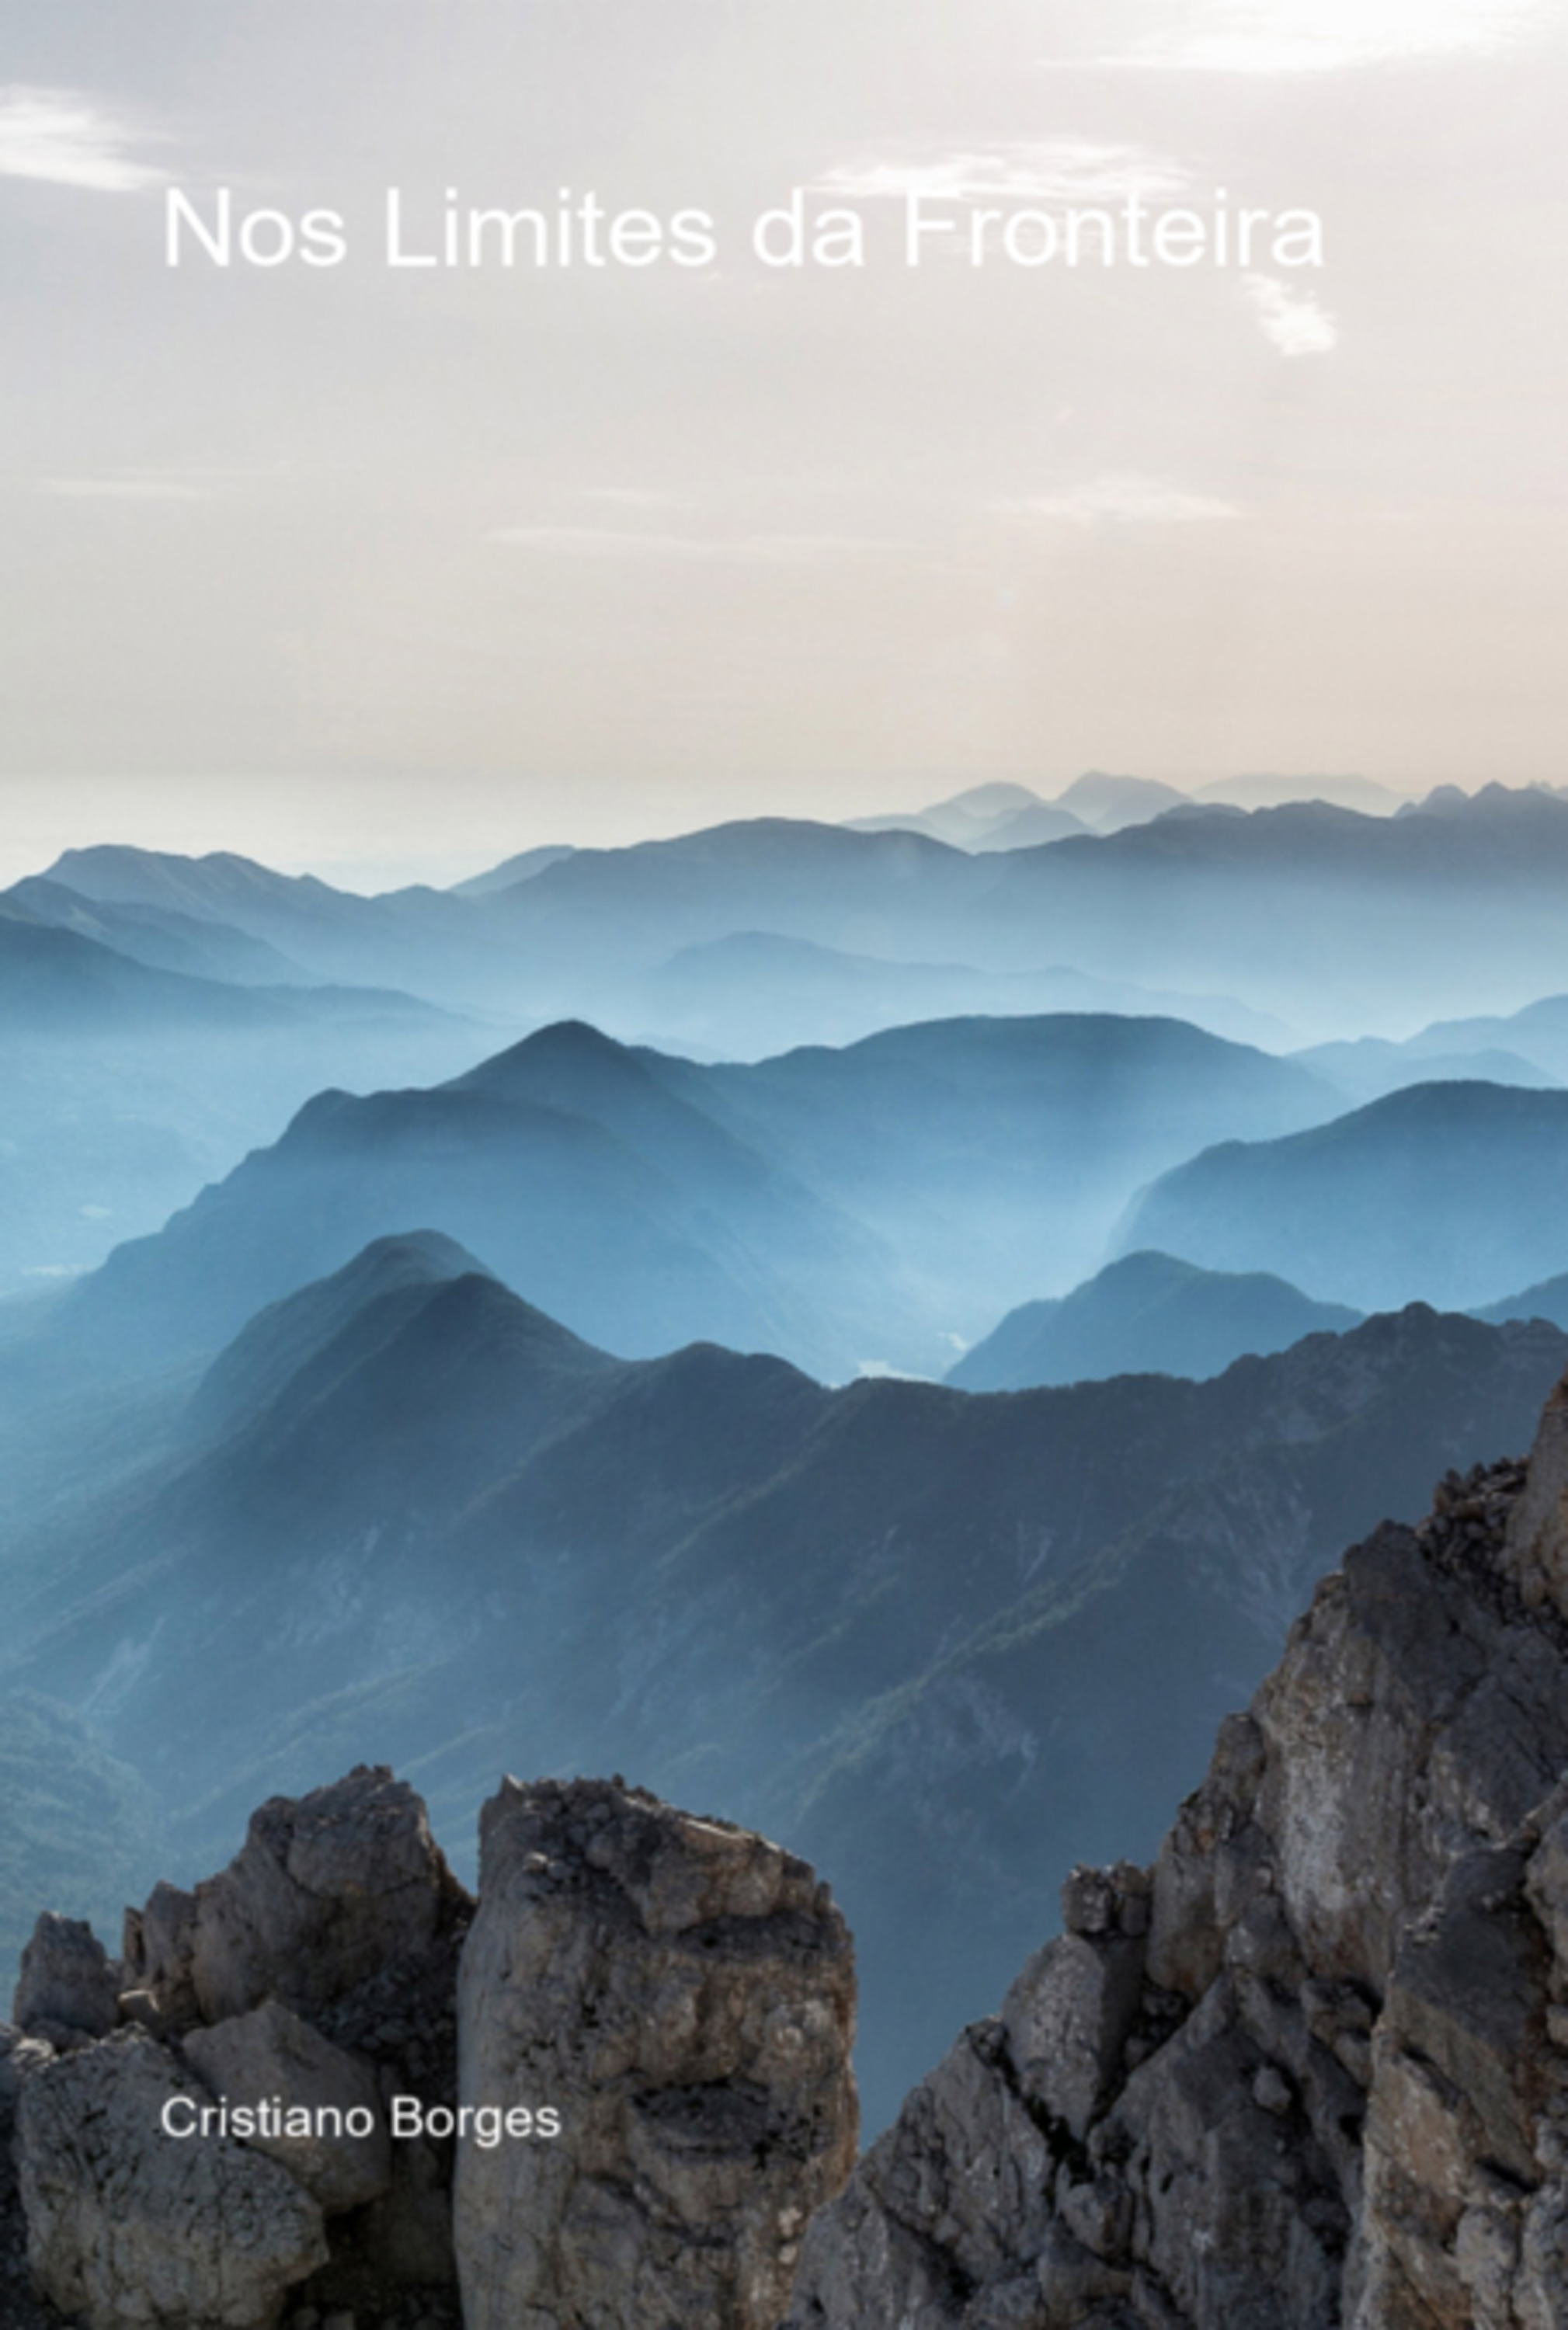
[(566, 1048)]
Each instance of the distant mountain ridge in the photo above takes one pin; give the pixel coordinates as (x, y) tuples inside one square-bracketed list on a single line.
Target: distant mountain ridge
[(1147, 1314), (842, 1208), (756, 994), (55, 982), (1440, 1192), (1304, 909)]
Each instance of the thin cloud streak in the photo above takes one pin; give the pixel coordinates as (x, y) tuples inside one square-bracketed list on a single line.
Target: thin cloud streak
[(611, 543), (1056, 170), (1316, 36), (66, 139), (1124, 499), (122, 489)]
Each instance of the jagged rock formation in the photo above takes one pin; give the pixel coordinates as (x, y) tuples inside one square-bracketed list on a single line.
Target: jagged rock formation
[(684, 1994), (678, 1991), (1311, 2069), (320, 1968), (126, 2226)]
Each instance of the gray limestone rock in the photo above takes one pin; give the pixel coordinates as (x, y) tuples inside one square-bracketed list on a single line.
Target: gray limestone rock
[(272, 2053), (1538, 1528), (1329, 2085), (324, 1892), (67, 1985), (159, 1944), (128, 2225), (682, 1994)]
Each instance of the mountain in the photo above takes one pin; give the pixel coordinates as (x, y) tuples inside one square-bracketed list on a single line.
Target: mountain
[(1529, 1047), (845, 1208), (1146, 1314), (54, 982), (566, 1161), (753, 994), (1440, 1193), (1107, 803), (1300, 2070), (76, 1828), (160, 937), (1547, 1300), (960, 1641), (1363, 794), (1371, 1067), (568, 932), (985, 818), (128, 1086), (1325, 905), (1538, 1033), (513, 870), (389, 1281), (426, 939), (1304, 909)]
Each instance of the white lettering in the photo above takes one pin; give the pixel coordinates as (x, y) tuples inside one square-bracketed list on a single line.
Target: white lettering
[(396, 256), (179, 210), (917, 226)]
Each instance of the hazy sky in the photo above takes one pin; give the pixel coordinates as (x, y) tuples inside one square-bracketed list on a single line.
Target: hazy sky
[(354, 564)]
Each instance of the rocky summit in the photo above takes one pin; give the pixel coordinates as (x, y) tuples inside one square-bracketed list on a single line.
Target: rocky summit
[(1307, 2071), (638, 2083), (1311, 2067)]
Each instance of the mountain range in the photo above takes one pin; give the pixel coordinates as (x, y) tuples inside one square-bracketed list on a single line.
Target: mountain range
[(847, 1209), (407, 1514), (992, 817), (129, 1084), (1302, 911)]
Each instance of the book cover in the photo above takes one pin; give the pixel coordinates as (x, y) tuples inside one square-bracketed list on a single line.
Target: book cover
[(783, 1027)]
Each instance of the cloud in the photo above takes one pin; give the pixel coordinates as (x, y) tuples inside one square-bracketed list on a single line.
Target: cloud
[(1292, 321), (147, 488), (1055, 170), (634, 498), (69, 140), (1307, 36), (1126, 500), (611, 542)]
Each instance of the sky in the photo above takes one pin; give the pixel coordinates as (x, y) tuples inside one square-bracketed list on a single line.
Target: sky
[(390, 570)]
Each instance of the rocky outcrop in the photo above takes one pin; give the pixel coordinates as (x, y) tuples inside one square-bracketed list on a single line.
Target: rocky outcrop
[(1310, 2070), (67, 1993), (317, 1972), (126, 2226), (682, 1994), (325, 1895), (655, 2092)]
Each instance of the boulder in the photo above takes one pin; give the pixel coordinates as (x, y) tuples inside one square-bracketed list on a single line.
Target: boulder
[(128, 2225), (272, 2053), (326, 1892), (681, 1994)]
